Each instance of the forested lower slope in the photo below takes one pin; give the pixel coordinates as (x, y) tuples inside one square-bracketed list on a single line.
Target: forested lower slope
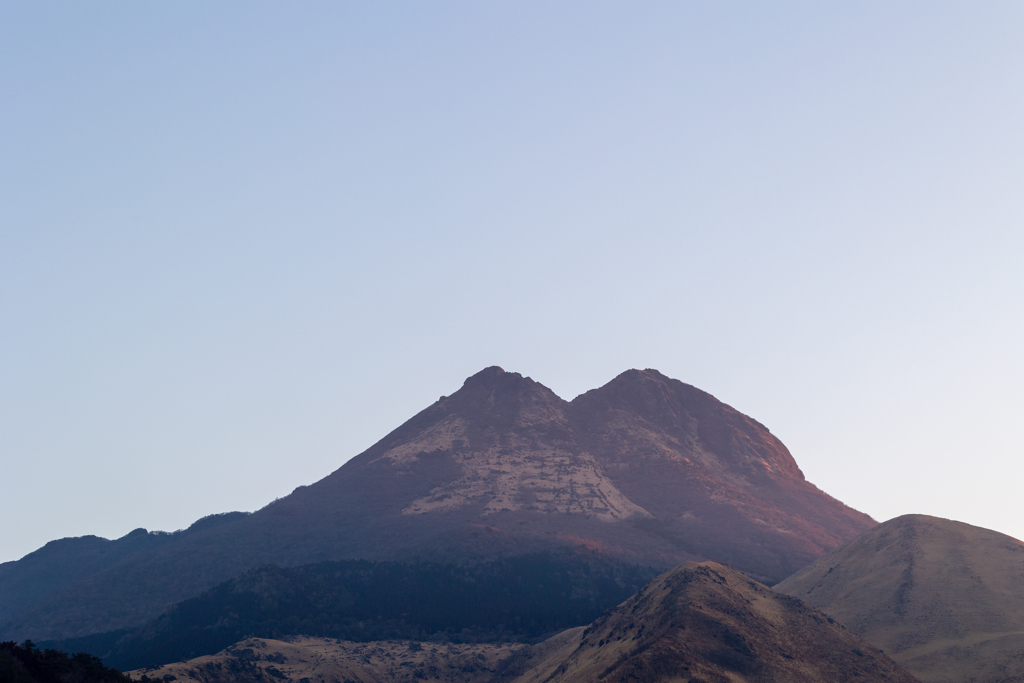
[(519, 598), (26, 663)]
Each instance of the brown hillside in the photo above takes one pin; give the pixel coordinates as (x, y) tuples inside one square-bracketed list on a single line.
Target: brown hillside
[(263, 660), (943, 598), (707, 623)]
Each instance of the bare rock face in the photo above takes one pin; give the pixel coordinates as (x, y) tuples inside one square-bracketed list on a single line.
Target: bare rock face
[(705, 622), (645, 470), (945, 599), (515, 444)]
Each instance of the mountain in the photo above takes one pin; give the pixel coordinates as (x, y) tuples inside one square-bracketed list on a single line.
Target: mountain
[(644, 470), (944, 599), (705, 622)]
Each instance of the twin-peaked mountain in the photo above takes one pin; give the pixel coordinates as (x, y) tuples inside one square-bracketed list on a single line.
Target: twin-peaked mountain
[(645, 470)]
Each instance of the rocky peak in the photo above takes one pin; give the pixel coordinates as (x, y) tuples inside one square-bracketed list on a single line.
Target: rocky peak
[(490, 376), (645, 393), (497, 382), (673, 418), (497, 400)]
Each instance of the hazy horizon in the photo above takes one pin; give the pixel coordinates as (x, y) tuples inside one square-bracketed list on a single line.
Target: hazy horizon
[(240, 243)]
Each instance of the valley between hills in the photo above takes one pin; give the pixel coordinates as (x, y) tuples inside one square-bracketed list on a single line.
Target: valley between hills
[(644, 531)]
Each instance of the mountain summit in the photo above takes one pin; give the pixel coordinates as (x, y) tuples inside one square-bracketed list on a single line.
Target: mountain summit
[(645, 470)]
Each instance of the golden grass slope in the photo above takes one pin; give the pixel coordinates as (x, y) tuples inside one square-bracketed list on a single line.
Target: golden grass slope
[(707, 623), (944, 599), (324, 660)]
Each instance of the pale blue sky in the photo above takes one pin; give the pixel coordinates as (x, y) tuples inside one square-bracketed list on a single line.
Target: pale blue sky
[(240, 242)]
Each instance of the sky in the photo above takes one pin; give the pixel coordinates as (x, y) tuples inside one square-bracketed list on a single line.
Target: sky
[(240, 242)]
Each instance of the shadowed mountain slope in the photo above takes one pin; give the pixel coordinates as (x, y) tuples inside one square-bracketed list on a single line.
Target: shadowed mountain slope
[(943, 598), (62, 562), (716, 482), (644, 470), (705, 622), (526, 597)]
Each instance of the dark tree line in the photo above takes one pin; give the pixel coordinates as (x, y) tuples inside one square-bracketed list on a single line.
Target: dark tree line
[(26, 663), (519, 598)]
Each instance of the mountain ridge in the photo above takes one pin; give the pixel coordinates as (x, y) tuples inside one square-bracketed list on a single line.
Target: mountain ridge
[(643, 469), (62, 561)]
